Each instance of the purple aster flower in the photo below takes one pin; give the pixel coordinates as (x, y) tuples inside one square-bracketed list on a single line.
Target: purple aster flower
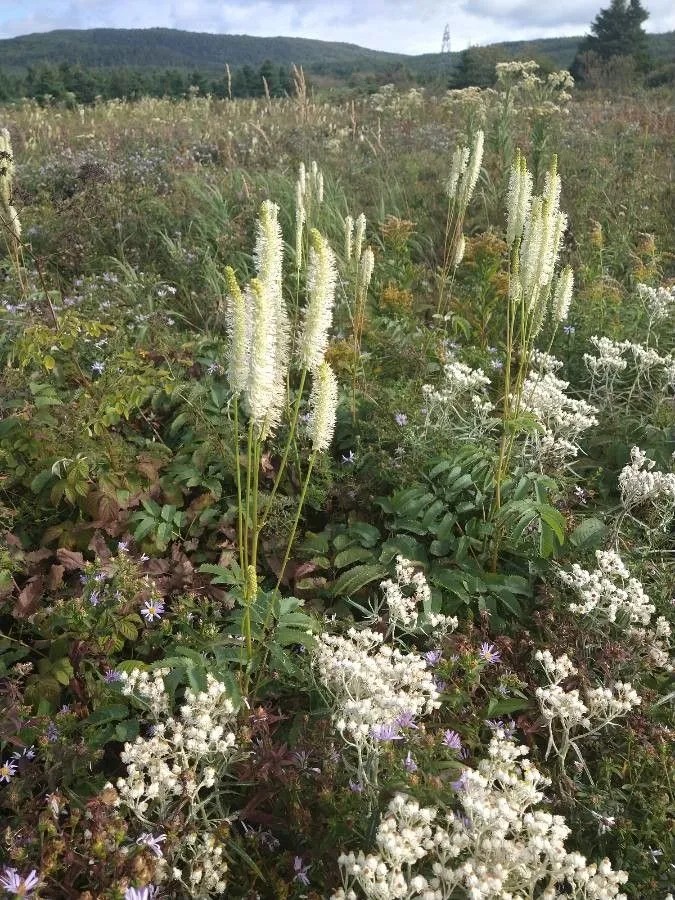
[(110, 676), (433, 657), (143, 557), (100, 576), (83, 579), (349, 458), (356, 787), (300, 871), (497, 364), (569, 329), (97, 367), (15, 884), (152, 842), (439, 684), (406, 719), (7, 770), (152, 609), (386, 733), (52, 733), (488, 653), (452, 740), (144, 893), (26, 753), (94, 598), (123, 547), (401, 419), (460, 784), (409, 763)]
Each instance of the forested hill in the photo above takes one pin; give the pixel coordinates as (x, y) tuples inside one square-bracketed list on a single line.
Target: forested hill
[(155, 48)]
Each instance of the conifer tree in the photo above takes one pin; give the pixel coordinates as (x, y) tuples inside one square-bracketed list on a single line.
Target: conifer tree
[(616, 31)]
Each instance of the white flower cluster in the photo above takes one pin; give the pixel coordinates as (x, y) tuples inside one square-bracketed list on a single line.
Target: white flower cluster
[(639, 483), (610, 355), (408, 600), (498, 847), (656, 642), (659, 302), (460, 381), (370, 684), (565, 711), (609, 591), (561, 417), (403, 605), (182, 755), (203, 867)]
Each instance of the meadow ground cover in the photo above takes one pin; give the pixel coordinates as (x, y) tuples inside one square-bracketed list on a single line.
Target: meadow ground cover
[(336, 496)]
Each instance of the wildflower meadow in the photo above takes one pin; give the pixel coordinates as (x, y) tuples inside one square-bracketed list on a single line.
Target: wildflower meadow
[(337, 488)]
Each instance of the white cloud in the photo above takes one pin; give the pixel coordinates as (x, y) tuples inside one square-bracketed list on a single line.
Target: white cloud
[(404, 26)]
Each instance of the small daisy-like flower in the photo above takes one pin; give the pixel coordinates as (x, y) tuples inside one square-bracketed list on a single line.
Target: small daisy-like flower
[(488, 653), (460, 784), (349, 458), (123, 547), (15, 884), (433, 657), (452, 740), (94, 598), (52, 732), (386, 733), (355, 787), (406, 719), (26, 753), (152, 609), (7, 771), (152, 842), (97, 368), (569, 329), (143, 557), (401, 419), (110, 676)]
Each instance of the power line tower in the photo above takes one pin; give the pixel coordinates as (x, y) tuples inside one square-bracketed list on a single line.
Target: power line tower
[(445, 46)]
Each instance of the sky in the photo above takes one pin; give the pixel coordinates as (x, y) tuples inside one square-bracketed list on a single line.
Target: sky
[(401, 26)]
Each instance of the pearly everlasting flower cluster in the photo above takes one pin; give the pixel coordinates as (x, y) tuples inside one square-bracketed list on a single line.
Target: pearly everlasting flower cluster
[(571, 718), (610, 355), (640, 483), (460, 381), (408, 600), (561, 417), (371, 685), (407, 595), (183, 754), (499, 846), (609, 592), (201, 866), (659, 302)]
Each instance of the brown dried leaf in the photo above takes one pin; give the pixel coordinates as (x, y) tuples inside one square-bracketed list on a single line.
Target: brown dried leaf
[(72, 560), (27, 601), (55, 577)]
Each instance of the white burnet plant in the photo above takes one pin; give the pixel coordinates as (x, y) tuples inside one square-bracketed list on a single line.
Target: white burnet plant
[(571, 718), (262, 344), (498, 846), (177, 770)]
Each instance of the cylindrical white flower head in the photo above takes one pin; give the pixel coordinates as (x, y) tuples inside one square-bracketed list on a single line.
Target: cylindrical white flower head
[(460, 160), (323, 407), (360, 234), (319, 187), (318, 314), (366, 267), (459, 252), (268, 253), (239, 331), (562, 296), (300, 218), (519, 200), (470, 177), (349, 237), (7, 168), (261, 385), (302, 177)]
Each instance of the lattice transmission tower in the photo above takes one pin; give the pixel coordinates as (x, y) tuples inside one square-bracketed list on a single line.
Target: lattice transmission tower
[(445, 46)]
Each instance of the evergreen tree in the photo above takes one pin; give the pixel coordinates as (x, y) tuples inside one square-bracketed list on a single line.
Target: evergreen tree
[(616, 31)]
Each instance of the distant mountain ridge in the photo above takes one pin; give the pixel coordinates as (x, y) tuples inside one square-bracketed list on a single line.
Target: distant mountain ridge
[(170, 48)]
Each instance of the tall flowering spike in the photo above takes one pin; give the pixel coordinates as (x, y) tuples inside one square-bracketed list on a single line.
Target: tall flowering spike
[(300, 219), (323, 402), (470, 177), (268, 251), (366, 267), (7, 168), (460, 160), (319, 187), (260, 386), (239, 331), (349, 237), (360, 234), (519, 199), (318, 314), (562, 296), (459, 252), (302, 177), (530, 251)]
